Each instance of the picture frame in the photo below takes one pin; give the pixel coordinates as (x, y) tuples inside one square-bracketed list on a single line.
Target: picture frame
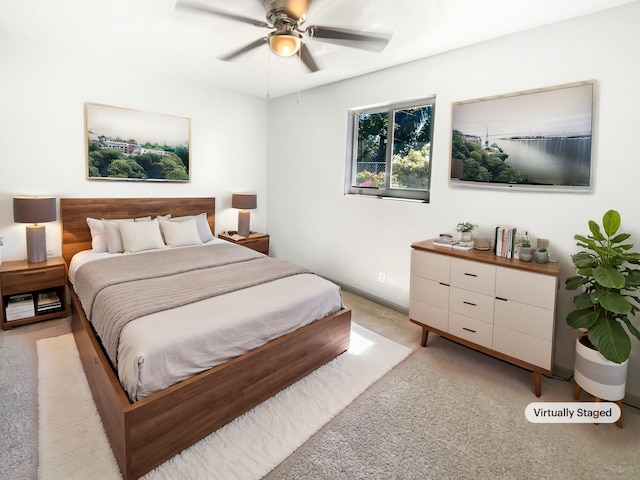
[(532, 140), (133, 145)]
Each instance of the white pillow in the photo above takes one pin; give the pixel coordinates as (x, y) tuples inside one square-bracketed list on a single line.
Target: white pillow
[(203, 226), (112, 233), (139, 236), (98, 237), (178, 234)]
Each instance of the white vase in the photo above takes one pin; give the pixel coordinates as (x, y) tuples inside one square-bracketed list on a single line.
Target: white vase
[(465, 236), (600, 377)]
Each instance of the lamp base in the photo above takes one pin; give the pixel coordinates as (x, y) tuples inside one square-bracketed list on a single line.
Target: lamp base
[(36, 244), (244, 217)]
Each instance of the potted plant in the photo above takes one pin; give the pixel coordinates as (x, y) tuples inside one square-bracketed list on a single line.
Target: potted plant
[(609, 280), (525, 253), (465, 229), (541, 255)]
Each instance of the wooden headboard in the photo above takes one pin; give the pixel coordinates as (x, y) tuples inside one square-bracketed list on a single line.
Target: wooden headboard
[(74, 212)]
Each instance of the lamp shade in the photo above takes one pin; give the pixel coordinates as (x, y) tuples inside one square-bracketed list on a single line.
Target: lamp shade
[(244, 201), (34, 209)]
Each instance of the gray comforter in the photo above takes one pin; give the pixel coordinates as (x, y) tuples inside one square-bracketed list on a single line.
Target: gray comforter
[(115, 291)]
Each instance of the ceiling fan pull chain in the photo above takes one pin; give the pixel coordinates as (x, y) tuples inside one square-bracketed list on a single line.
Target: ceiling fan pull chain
[(268, 74)]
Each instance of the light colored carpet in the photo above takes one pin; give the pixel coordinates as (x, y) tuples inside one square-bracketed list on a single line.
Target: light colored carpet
[(73, 445)]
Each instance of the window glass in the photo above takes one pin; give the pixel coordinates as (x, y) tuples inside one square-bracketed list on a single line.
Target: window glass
[(390, 151)]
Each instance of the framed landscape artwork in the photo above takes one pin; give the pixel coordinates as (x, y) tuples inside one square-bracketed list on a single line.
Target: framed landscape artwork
[(536, 139), (126, 144)]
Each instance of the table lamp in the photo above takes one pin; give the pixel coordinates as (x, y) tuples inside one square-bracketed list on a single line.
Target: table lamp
[(245, 202), (35, 210)]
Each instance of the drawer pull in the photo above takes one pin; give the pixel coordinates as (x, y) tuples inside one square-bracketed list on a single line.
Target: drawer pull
[(470, 274), (444, 284), (502, 299), (469, 303), (35, 272), (468, 330)]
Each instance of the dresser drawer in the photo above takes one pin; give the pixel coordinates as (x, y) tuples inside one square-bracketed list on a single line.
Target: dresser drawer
[(528, 319), (474, 276), (519, 345), (429, 291), (471, 304), (430, 265), (429, 315), (33, 279), (476, 331), (526, 287)]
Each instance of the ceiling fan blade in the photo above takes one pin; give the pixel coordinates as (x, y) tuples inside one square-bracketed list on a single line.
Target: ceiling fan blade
[(297, 8), (375, 42), (246, 48), (307, 59), (220, 13)]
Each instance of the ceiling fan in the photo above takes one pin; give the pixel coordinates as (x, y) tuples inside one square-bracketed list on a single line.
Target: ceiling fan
[(285, 19)]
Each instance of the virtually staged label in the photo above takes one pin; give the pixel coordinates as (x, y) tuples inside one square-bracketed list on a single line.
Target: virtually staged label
[(572, 412)]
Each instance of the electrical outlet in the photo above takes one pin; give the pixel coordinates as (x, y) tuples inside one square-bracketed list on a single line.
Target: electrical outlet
[(382, 277)]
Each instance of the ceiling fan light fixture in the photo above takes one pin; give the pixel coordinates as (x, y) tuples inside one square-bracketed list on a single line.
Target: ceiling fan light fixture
[(284, 43)]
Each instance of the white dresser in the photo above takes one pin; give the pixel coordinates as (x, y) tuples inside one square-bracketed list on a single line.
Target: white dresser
[(503, 307)]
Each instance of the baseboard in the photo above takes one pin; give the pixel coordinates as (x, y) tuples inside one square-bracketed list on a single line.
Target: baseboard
[(373, 298)]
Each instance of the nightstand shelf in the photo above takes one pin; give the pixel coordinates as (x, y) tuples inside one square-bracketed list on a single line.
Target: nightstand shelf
[(21, 277), (255, 241)]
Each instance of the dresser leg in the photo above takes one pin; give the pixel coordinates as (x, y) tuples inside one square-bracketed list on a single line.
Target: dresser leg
[(536, 383), (425, 335)]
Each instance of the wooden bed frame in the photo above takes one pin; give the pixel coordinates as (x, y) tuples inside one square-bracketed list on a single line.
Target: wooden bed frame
[(146, 433)]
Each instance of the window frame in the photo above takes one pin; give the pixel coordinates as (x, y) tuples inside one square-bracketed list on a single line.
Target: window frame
[(352, 151)]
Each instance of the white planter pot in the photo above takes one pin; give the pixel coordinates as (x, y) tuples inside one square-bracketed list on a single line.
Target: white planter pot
[(600, 377)]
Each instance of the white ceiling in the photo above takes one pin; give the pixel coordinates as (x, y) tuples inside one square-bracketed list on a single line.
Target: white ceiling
[(153, 35)]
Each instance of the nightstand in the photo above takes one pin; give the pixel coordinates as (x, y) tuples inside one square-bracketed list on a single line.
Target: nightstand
[(255, 241), (19, 279)]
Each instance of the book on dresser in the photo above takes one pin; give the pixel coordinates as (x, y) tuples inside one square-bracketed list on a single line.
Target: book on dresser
[(505, 241), (20, 306)]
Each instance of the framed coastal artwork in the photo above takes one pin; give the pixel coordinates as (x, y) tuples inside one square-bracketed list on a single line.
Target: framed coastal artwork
[(127, 144), (536, 140)]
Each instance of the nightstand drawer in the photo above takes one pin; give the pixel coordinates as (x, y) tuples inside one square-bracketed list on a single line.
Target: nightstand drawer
[(259, 244), (38, 279)]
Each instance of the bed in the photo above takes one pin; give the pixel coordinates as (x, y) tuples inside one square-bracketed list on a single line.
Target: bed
[(146, 432)]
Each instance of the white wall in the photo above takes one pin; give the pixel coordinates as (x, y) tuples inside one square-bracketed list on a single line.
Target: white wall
[(351, 239), (42, 149)]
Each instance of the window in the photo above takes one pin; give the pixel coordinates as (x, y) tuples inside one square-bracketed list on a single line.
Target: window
[(389, 150)]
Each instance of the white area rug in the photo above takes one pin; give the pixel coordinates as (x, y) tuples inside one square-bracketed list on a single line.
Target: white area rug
[(73, 445)]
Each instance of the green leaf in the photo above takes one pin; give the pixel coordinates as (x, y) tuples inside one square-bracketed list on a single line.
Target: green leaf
[(633, 278), (614, 302), (631, 327), (595, 231), (611, 222), (610, 339), (584, 259), (621, 238), (609, 277), (573, 283), (583, 300), (583, 318)]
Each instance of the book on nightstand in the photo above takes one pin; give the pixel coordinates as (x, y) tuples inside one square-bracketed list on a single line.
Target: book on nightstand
[(48, 302), (20, 306)]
